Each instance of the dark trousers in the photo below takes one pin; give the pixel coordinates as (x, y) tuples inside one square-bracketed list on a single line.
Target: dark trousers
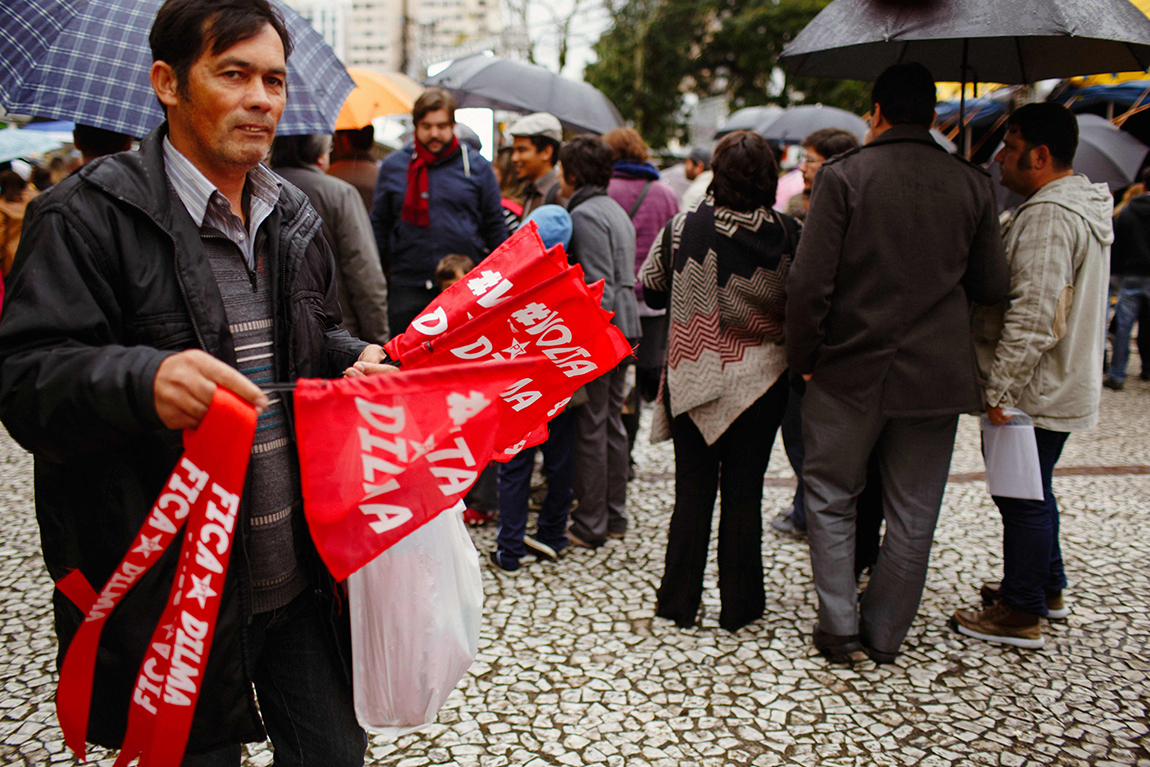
[(1031, 555), (404, 304), (304, 696), (735, 463), (515, 489), (601, 460)]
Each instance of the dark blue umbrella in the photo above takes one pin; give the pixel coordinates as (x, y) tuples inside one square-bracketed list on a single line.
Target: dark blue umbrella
[(88, 61)]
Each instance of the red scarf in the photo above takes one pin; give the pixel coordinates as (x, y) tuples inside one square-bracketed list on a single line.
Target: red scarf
[(415, 209)]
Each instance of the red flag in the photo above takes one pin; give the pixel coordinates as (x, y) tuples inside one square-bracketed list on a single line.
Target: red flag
[(559, 319), (203, 494), (517, 265), (381, 455)]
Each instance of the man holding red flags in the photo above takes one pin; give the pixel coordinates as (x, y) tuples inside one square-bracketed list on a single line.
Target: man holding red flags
[(144, 282), (433, 198)]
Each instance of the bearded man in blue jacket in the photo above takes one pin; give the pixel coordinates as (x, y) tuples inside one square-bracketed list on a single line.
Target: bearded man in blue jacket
[(433, 198)]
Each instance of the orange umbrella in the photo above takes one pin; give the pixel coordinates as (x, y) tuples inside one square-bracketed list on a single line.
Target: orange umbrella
[(375, 95)]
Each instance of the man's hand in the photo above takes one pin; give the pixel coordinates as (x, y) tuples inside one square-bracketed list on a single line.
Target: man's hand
[(186, 382), (370, 363), (997, 417)]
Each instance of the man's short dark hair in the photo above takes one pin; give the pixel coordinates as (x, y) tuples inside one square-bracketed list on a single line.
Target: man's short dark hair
[(299, 151), (746, 176), (432, 100), (183, 29), (450, 267), (906, 93), (361, 139), (702, 156), (542, 142), (587, 161), (1048, 124), (829, 142), (96, 142)]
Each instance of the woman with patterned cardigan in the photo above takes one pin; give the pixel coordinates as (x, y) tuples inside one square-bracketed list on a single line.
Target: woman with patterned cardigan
[(720, 267)]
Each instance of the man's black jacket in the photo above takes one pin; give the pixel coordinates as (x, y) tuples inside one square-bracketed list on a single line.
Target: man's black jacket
[(1130, 253), (110, 279)]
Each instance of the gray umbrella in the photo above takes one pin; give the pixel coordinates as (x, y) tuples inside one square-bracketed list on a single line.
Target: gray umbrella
[(750, 118), (497, 83), (795, 124), (1002, 41), (1106, 155)]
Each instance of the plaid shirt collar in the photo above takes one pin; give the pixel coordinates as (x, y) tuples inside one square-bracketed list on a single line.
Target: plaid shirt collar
[(208, 207)]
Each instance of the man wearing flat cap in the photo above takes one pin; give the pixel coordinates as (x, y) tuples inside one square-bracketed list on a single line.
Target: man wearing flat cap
[(536, 139)]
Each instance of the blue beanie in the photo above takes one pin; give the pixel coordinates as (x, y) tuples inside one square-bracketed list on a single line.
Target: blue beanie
[(554, 224)]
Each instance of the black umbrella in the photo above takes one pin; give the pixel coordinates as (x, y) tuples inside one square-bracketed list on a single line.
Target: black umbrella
[(1106, 155), (750, 118), (795, 124), (1004, 41), (497, 83)]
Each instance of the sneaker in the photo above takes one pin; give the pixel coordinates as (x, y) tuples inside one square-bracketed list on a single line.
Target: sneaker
[(783, 523), (1110, 383), (836, 648), (1001, 624), (477, 518), (503, 562), (1056, 608), (540, 549)]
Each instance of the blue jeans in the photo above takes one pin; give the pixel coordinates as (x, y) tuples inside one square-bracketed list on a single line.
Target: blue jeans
[(1031, 556), (1131, 294), (515, 488), (304, 695)]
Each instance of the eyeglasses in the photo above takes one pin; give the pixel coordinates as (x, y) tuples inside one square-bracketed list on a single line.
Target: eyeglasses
[(811, 160)]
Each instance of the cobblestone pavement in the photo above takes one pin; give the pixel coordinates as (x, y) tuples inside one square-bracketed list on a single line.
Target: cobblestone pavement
[(574, 669)]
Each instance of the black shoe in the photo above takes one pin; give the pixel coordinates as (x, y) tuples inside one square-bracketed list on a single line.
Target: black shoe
[(503, 563), (837, 648), (878, 656), (1110, 383)]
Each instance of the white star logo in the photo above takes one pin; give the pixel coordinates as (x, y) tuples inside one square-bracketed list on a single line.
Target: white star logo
[(169, 630), (201, 589), (516, 348), (148, 545)]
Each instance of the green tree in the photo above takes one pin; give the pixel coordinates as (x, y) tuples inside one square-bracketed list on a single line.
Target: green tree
[(659, 50), (644, 60)]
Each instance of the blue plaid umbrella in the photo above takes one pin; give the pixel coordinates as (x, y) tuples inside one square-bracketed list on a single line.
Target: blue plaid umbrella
[(88, 61)]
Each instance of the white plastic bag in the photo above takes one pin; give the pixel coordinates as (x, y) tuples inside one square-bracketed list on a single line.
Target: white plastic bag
[(1011, 455), (415, 612)]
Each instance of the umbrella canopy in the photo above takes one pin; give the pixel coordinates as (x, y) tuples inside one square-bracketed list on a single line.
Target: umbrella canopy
[(757, 119), (796, 123), (989, 40), (497, 83), (980, 113), (1106, 155), (374, 96), (22, 143), (88, 61)]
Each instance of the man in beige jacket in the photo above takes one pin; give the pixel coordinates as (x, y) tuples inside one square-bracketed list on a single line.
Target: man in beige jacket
[(1041, 352)]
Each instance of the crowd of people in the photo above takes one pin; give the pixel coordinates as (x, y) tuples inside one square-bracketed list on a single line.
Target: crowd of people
[(859, 318)]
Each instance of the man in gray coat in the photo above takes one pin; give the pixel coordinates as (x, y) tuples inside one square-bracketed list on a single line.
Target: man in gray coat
[(362, 288), (900, 238), (603, 243)]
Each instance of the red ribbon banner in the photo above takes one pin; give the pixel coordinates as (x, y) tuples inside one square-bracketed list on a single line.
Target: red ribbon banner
[(203, 494)]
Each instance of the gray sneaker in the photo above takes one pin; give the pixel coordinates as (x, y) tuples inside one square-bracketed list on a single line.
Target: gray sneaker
[(783, 523)]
